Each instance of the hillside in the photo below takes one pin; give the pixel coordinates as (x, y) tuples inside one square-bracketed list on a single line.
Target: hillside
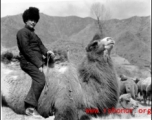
[(132, 36), (49, 28)]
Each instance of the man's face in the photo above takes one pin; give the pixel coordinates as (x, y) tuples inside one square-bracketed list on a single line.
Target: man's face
[(31, 23)]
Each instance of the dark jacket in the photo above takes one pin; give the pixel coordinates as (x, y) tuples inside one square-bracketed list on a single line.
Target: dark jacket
[(30, 46)]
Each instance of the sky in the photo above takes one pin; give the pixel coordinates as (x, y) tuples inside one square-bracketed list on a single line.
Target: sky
[(119, 9)]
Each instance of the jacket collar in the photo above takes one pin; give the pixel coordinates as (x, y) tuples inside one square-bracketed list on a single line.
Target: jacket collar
[(31, 29)]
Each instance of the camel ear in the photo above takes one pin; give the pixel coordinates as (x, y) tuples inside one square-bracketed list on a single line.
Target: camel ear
[(92, 46)]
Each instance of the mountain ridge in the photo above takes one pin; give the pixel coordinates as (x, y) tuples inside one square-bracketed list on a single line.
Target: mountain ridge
[(132, 35)]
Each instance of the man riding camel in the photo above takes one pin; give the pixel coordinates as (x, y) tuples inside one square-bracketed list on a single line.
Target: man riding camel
[(31, 51)]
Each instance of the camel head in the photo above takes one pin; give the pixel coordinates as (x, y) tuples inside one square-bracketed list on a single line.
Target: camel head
[(127, 102), (99, 47), (123, 77)]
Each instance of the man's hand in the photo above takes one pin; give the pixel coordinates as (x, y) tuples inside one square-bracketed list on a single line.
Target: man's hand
[(51, 53), (41, 69)]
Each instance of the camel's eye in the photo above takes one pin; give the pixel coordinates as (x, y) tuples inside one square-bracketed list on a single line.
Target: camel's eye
[(127, 101), (108, 39)]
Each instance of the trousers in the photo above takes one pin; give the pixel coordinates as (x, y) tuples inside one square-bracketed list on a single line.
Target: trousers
[(38, 83)]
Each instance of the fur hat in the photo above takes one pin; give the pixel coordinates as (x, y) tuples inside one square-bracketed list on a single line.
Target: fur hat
[(31, 14)]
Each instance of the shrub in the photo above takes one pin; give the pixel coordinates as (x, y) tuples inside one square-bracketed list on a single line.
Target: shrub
[(6, 57)]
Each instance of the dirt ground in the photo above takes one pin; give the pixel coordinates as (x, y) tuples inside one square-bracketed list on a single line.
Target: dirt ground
[(143, 112)]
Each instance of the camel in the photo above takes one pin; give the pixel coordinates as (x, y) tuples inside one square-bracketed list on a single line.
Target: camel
[(70, 89)]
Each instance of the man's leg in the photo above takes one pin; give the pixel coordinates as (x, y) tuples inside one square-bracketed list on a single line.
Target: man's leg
[(38, 82)]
